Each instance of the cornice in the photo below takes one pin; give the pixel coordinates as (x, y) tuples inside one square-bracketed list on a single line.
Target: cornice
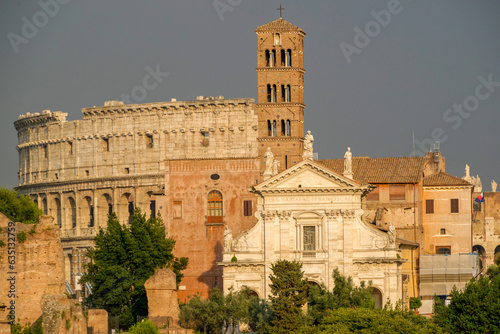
[(279, 105), (48, 185), (280, 69)]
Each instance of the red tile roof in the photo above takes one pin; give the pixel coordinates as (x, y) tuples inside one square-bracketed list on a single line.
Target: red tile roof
[(381, 170), (277, 25), (444, 179)]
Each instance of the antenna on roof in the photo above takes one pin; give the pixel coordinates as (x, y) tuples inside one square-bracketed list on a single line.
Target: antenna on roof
[(413, 142)]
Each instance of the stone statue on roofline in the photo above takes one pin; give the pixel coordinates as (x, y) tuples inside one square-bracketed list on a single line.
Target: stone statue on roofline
[(348, 164), (493, 186), (467, 176), (276, 165), (308, 146), (392, 234)]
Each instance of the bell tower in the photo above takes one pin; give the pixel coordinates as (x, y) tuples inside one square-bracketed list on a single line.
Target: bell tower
[(280, 80)]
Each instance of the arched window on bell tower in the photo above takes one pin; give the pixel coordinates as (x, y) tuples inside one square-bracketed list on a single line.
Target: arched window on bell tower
[(283, 58), (274, 94), (268, 58), (269, 93), (289, 57), (283, 93), (283, 128), (269, 128), (288, 93), (277, 39), (273, 58), (274, 128), (288, 128)]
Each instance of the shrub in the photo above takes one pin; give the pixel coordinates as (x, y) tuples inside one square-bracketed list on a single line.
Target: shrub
[(144, 327), (415, 303), (21, 237)]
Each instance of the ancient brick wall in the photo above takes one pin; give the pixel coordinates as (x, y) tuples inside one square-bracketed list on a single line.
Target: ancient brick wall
[(188, 184), (35, 267)]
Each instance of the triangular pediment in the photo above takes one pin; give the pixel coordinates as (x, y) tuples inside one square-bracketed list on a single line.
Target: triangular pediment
[(308, 175)]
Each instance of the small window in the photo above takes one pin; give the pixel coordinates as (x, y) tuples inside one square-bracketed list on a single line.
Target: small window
[(269, 93), (152, 209), (429, 206), (149, 141), (177, 209), (105, 144), (215, 177), (443, 250), (274, 128), (454, 205), (373, 195), (247, 208), (127, 170), (283, 57), (268, 58), (70, 147), (205, 135), (283, 127), (288, 128), (130, 211), (87, 173), (442, 231), (397, 192), (269, 128), (45, 151), (91, 213)]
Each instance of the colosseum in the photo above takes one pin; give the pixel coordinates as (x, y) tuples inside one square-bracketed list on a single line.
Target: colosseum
[(113, 160)]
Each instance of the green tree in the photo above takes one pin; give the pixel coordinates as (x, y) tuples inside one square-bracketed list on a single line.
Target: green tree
[(144, 327), (18, 208), (344, 294), (260, 314), (476, 309), (218, 314), (494, 269), (366, 320), (289, 290), (123, 258)]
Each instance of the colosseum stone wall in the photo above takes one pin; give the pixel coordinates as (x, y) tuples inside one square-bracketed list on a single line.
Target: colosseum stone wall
[(113, 159)]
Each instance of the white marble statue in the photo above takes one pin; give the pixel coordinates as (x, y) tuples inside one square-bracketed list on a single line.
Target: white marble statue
[(269, 156), (308, 146), (493, 186), (228, 238), (348, 161), (392, 233), (276, 165)]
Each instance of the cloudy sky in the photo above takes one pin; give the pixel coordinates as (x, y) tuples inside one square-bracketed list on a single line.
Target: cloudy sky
[(376, 71)]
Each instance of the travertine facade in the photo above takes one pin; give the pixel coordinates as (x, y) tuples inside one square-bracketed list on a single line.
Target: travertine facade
[(486, 227), (310, 214)]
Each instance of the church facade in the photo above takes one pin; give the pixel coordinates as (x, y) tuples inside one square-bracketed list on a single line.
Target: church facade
[(312, 215)]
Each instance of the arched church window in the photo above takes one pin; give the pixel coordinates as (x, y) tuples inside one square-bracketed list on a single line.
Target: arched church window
[(268, 58), (288, 57), (288, 128), (283, 57), (269, 129), (215, 212), (269, 93), (288, 93), (274, 128), (283, 93), (274, 93), (283, 127)]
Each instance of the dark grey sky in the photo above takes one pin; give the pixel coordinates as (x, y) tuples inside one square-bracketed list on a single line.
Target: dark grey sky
[(416, 65)]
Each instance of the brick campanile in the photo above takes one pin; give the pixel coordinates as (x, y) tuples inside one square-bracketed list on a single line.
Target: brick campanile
[(280, 79)]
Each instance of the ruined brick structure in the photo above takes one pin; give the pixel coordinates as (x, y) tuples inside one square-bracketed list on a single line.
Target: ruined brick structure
[(37, 266)]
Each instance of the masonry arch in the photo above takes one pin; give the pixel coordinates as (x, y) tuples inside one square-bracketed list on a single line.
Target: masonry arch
[(45, 207), (377, 297), (126, 207), (497, 250), (87, 212), (105, 208), (70, 215), (481, 252), (56, 211)]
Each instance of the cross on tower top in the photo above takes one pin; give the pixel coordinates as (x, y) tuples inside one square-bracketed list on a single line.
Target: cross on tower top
[(280, 9)]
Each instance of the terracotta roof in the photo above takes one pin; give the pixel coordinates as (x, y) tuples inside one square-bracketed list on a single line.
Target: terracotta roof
[(381, 170), (279, 25), (444, 179)]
